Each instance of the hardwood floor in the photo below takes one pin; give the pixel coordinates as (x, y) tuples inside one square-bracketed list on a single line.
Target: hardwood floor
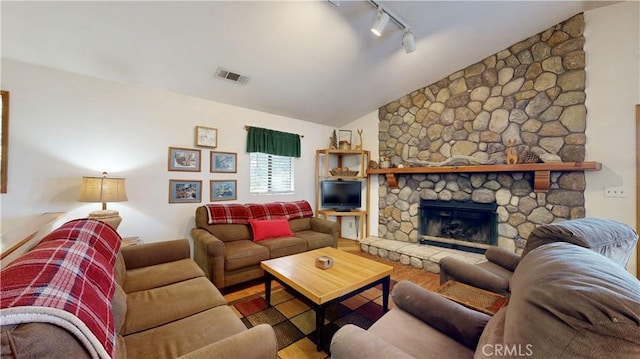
[(427, 280)]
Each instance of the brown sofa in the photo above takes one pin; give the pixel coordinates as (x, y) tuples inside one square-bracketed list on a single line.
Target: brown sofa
[(162, 307), (224, 245), (610, 238), (566, 302)]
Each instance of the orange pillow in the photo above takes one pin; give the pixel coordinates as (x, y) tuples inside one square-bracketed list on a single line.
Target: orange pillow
[(270, 228)]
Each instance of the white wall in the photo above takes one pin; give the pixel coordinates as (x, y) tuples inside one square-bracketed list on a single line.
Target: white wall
[(64, 126), (369, 126), (612, 49), (613, 90)]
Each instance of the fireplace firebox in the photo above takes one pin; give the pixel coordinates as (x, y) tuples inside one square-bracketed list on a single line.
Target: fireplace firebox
[(462, 225)]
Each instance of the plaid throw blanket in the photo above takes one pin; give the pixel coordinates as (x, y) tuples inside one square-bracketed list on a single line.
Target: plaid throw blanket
[(242, 213), (227, 214), (66, 280)]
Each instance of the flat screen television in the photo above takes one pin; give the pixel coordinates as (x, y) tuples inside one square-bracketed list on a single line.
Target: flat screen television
[(341, 196)]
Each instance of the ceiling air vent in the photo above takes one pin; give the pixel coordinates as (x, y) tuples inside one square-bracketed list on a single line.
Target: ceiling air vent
[(231, 76)]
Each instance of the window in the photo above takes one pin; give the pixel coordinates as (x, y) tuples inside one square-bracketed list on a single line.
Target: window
[(270, 174)]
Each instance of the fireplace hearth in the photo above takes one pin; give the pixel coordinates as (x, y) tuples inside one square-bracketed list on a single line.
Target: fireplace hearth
[(462, 225)]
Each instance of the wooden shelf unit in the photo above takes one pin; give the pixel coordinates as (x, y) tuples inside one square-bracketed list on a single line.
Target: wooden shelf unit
[(323, 165), (541, 180)]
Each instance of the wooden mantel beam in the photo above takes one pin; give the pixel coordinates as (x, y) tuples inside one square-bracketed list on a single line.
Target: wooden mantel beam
[(541, 177)]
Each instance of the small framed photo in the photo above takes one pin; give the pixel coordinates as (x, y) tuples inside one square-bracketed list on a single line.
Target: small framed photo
[(344, 140), (184, 159), (224, 190), (224, 162), (185, 191), (206, 136)]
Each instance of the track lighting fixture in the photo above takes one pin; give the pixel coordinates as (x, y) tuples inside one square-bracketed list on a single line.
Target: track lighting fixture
[(381, 21), (408, 41), (383, 17)]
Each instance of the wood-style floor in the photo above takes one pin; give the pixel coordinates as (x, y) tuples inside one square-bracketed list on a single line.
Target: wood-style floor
[(427, 280)]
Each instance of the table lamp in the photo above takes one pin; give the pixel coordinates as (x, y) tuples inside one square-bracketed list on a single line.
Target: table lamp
[(103, 190)]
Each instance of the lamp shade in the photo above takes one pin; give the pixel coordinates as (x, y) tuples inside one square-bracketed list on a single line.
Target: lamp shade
[(102, 189)]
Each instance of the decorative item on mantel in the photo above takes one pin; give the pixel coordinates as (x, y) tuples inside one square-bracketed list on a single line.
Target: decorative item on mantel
[(529, 156), (511, 154), (359, 146), (103, 190)]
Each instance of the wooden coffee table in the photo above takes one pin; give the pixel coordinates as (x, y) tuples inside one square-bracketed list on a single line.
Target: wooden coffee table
[(350, 275)]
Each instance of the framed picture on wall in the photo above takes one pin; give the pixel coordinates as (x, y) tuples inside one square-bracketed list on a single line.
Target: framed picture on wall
[(184, 159), (185, 191), (223, 190), (223, 162), (206, 136), (4, 143), (344, 139)]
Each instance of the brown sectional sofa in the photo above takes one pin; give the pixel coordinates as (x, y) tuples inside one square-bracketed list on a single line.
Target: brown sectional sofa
[(566, 302), (162, 306), (224, 245)]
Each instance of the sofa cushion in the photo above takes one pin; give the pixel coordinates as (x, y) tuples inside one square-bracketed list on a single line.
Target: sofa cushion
[(161, 274), (300, 224), (119, 308), (154, 307), (241, 254), (40, 340), (496, 269), (610, 238), (575, 303), (120, 269), (409, 333), (185, 335), (269, 228), (462, 324), (284, 246), (315, 239)]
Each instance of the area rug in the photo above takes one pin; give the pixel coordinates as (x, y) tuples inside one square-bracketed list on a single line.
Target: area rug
[(294, 321)]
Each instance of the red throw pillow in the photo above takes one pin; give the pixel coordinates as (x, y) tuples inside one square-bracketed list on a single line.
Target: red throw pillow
[(270, 228)]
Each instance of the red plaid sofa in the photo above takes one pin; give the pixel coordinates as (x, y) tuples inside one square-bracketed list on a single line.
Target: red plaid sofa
[(226, 243)]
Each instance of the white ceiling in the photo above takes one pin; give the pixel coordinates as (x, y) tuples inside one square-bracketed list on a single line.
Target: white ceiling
[(308, 60)]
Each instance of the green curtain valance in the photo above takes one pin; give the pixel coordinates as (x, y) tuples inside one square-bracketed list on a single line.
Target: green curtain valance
[(273, 142)]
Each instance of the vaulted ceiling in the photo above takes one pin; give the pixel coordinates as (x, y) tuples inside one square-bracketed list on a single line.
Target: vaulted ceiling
[(311, 60)]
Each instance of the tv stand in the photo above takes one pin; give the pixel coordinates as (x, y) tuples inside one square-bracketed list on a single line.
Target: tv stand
[(357, 161), (362, 217)]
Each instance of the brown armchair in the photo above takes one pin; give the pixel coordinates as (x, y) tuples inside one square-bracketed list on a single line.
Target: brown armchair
[(610, 238), (589, 311)]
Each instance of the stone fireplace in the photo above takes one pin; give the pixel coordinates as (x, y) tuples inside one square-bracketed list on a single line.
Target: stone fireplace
[(466, 226), (529, 96)]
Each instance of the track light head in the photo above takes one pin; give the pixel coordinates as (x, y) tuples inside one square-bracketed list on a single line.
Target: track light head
[(408, 41), (381, 21)]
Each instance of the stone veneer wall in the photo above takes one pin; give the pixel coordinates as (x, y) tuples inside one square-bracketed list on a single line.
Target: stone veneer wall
[(531, 93)]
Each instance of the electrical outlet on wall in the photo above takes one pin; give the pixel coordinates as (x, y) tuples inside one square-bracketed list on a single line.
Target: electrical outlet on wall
[(615, 192)]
